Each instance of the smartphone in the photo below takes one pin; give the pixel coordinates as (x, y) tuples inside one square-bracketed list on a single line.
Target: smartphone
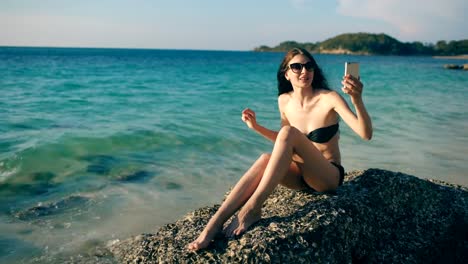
[(352, 68)]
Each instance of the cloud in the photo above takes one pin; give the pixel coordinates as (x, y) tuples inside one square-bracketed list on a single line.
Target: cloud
[(423, 19)]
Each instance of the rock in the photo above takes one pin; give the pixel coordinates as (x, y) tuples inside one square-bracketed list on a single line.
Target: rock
[(377, 216), (71, 203), (453, 66), (138, 176), (100, 164)]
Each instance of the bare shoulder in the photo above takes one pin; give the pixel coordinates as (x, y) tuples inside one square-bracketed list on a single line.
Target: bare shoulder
[(283, 99), (332, 96), (329, 93)]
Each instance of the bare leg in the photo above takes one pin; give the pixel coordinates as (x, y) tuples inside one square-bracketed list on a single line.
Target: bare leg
[(236, 198), (316, 170)]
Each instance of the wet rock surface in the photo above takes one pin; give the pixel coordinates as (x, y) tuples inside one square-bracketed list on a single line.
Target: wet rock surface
[(377, 216), (53, 208), (138, 176)]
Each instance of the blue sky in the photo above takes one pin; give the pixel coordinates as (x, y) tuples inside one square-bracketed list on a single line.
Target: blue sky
[(222, 25)]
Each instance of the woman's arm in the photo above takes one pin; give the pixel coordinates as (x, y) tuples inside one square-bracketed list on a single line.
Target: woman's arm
[(248, 116), (269, 134), (360, 122)]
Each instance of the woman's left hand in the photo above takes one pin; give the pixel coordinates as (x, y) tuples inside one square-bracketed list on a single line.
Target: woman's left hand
[(353, 87)]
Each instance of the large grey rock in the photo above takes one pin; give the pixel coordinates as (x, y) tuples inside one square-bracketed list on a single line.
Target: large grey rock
[(377, 216)]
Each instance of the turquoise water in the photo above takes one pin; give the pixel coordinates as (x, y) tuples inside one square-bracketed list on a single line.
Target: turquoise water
[(101, 144)]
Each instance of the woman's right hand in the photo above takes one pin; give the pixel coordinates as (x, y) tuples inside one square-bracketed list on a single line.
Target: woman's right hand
[(248, 116)]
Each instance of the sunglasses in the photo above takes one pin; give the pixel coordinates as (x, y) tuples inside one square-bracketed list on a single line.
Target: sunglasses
[(297, 67)]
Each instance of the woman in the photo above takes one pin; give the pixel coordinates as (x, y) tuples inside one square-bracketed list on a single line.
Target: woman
[(306, 152)]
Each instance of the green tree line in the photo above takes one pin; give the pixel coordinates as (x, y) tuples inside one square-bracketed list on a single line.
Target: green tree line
[(374, 44)]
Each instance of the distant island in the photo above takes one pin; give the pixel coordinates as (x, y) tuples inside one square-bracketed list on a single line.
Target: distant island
[(374, 44)]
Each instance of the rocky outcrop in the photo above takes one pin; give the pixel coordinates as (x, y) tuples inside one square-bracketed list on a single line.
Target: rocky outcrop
[(456, 67), (377, 216)]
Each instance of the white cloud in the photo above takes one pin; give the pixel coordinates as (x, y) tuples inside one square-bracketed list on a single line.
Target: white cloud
[(414, 19)]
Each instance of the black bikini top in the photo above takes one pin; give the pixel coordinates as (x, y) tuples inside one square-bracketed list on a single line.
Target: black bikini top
[(323, 134)]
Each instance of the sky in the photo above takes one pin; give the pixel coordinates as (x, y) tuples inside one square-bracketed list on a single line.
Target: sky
[(223, 24)]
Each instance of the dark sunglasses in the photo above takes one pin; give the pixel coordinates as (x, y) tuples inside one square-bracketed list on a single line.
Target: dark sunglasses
[(297, 67)]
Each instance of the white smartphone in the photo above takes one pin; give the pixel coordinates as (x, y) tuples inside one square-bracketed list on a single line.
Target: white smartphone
[(352, 68)]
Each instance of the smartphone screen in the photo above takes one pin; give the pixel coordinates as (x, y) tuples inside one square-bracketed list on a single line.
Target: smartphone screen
[(352, 68)]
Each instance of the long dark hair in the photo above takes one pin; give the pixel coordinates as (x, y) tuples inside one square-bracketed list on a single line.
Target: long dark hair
[(284, 86)]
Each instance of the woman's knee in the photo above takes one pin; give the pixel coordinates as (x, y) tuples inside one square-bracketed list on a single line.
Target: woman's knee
[(287, 133), (264, 158)]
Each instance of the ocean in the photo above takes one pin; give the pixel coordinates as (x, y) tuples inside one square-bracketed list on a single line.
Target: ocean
[(102, 144)]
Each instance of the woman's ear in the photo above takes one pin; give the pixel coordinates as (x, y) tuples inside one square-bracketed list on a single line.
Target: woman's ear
[(286, 76)]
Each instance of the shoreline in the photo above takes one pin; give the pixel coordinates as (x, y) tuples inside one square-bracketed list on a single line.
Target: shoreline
[(454, 57)]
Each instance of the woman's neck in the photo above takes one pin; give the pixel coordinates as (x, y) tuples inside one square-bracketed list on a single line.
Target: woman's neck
[(302, 94)]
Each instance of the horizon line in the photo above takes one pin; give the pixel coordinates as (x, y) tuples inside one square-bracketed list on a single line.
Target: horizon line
[(120, 48)]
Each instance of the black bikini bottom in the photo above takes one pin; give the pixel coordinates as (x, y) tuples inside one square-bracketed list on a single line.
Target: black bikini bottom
[(342, 173), (341, 169)]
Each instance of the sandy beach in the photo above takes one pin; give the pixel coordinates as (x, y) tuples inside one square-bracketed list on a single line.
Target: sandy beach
[(456, 57)]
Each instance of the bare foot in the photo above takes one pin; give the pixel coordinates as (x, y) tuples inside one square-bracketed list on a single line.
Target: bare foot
[(204, 239), (244, 219), (229, 230)]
